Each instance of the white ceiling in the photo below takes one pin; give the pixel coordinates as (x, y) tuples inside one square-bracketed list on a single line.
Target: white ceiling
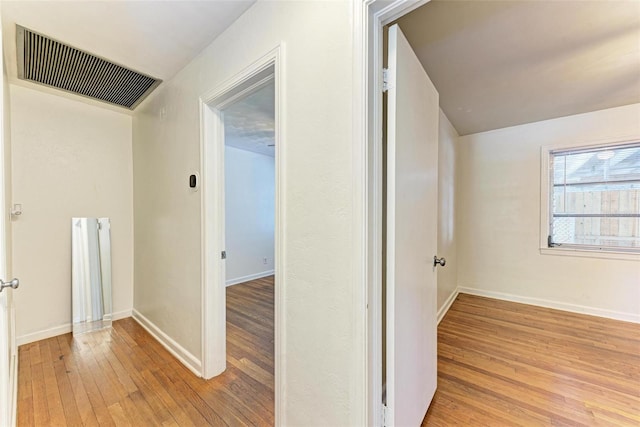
[(249, 123), (157, 38), (504, 63)]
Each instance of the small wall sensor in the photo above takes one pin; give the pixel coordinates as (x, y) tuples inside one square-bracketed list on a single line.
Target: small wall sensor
[(194, 181), (17, 209)]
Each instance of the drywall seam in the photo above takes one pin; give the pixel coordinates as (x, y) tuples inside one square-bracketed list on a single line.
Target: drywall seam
[(249, 277), (573, 308), (447, 305), (60, 330), (179, 352)]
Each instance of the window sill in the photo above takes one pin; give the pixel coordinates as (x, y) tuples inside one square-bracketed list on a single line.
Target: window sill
[(587, 253)]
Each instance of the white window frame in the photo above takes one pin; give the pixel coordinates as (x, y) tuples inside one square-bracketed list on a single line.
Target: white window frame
[(545, 203)]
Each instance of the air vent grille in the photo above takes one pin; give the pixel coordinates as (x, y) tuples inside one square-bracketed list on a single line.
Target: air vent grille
[(51, 63)]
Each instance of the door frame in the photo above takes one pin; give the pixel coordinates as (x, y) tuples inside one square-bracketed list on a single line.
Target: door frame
[(9, 355), (263, 71), (370, 18)]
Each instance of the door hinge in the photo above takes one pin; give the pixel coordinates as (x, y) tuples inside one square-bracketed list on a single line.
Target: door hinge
[(223, 255), (385, 415), (385, 79)]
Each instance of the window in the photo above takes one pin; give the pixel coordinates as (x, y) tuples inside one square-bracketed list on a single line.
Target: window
[(594, 198)]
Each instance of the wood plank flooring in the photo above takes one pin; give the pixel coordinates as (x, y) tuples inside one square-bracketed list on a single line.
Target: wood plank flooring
[(124, 377), (507, 364), (499, 364)]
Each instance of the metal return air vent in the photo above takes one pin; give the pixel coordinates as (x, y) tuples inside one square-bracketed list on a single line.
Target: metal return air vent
[(51, 63)]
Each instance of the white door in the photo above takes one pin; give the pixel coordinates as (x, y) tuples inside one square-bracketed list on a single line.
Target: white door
[(8, 354), (412, 203)]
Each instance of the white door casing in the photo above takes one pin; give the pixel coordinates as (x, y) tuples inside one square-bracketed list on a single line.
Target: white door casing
[(261, 72), (8, 350), (412, 201)]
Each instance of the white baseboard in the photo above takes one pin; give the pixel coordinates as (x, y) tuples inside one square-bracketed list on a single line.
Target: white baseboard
[(60, 330), (179, 352), (44, 334), (243, 279), (573, 308), (447, 305)]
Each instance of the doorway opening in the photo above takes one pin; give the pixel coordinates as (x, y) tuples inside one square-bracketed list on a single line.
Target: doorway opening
[(389, 127), (249, 223), (242, 231)]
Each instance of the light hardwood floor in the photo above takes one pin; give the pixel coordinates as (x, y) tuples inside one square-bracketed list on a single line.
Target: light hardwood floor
[(500, 364), (124, 377), (507, 364)]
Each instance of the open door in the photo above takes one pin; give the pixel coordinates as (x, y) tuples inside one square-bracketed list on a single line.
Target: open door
[(8, 350), (411, 236)]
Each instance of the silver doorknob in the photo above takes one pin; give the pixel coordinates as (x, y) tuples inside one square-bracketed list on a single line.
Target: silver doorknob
[(440, 261), (12, 284)]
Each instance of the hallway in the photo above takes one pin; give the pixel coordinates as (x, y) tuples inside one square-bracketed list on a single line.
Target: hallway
[(500, 363), (124, 376)]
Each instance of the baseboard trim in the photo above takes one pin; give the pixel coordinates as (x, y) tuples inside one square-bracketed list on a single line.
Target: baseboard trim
[(187, 359), (60, 330), (447, 305), (44, 334), (573, 308), (243, 279)]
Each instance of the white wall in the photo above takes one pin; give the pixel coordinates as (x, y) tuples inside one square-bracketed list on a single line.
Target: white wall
[(447, 209), (249, 180), (323, 375), (69, 160), (499, 218)]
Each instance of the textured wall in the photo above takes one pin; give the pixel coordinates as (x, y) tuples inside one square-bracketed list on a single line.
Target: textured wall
[(322, 378), (249, 217), (447, 209), (499, 216), (69, 160)]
